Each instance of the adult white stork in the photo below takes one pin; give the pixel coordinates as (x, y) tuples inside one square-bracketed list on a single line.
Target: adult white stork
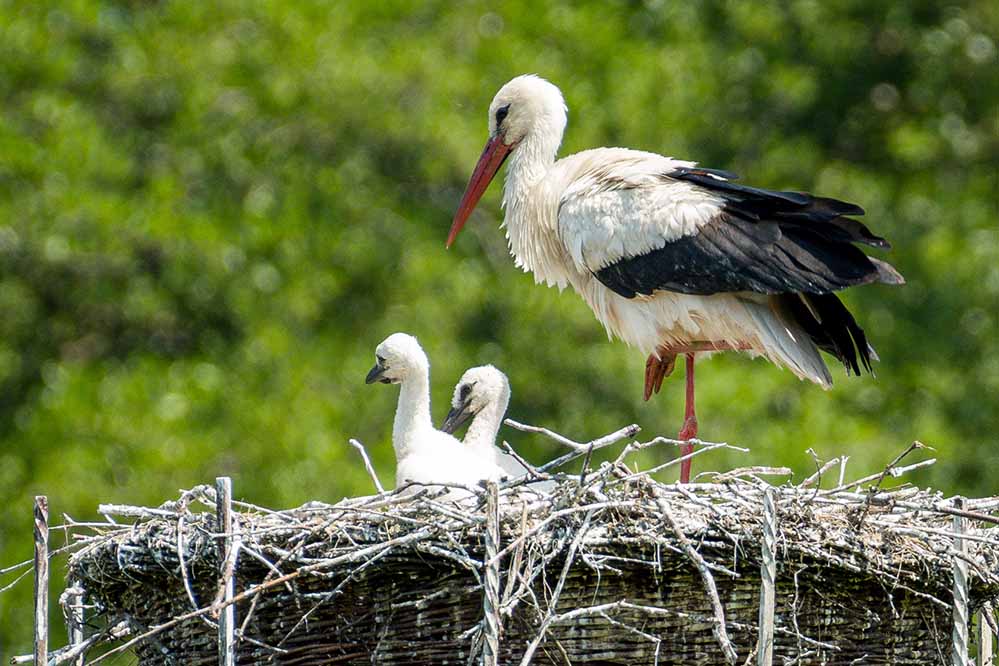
[(674, 258)]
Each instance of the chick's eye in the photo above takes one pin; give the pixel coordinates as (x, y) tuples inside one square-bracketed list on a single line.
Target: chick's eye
[(380, 359), (465, 390), (501, 114)]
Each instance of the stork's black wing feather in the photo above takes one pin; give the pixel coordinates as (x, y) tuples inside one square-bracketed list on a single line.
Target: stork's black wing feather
[(764, 241), (753, 203), (831, 327)]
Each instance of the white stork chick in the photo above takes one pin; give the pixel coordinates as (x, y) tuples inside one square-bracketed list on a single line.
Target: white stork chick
[(483, 395), (673, 258), (423, 454)]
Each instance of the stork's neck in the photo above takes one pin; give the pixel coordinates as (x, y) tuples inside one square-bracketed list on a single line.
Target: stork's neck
[(412, 415), (529, 162), (481, 434), (532, 208)]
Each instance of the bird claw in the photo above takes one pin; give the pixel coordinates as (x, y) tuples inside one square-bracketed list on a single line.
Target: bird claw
[(657, 368)]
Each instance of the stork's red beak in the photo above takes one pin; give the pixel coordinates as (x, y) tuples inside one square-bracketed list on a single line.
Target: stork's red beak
[(491, 160)]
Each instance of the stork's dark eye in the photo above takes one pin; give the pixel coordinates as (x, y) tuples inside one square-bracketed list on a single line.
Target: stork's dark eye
[(501, 114), (465, 391), (380, 359)]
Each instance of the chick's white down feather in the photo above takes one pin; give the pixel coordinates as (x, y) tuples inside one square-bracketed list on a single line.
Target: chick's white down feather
[(423, 453), (485, 392)]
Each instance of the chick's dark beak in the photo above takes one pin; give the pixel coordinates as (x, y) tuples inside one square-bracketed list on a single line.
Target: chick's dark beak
[(376, 374), (457, 417)]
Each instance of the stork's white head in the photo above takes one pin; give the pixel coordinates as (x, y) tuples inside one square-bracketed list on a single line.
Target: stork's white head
[(479, 388), (527, 108), (527, 104), (396, 358)]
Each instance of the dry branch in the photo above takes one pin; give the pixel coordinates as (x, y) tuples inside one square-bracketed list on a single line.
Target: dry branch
[(367, 465)]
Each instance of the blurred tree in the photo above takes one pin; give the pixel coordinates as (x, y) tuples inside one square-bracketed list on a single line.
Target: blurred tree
[(210, 214)]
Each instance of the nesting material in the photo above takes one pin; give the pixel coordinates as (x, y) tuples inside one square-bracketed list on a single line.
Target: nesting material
[(613, 567)]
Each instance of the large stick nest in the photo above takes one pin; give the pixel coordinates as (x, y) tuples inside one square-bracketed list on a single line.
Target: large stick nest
[(611, 567)]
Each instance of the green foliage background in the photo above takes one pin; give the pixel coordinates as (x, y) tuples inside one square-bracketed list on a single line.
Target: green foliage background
[(211, 212)]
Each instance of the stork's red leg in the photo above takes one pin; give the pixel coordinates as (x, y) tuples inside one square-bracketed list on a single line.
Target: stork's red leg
[(689, 430)]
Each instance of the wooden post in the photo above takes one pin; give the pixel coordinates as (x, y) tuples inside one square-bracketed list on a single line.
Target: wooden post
[(41, 514), (227, 617), (959, 633), (768, 574), (74, 618), (491, 583), (986, 649)]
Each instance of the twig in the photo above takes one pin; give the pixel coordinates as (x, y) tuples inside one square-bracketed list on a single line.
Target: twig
[(819, 471), (329, 595), (880, 479), (367, 465), (185, 579), (71, 652), (273, 570), (718, 627), (578, 449), (751, 471), (899, 471), (702, 448), (532, 471), (15, 567), (553, 601), (128, 511), (937, 507), (550, 434), (513, 571), (24, 574), (71, 601), (557, 515)]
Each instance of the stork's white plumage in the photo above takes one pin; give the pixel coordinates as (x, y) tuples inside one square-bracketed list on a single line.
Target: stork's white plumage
[(673, 258), (482, 395), (423, 453)]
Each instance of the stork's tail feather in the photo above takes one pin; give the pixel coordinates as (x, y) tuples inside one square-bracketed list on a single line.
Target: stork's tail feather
[(785, 343), (832, 328), (887, 274)]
